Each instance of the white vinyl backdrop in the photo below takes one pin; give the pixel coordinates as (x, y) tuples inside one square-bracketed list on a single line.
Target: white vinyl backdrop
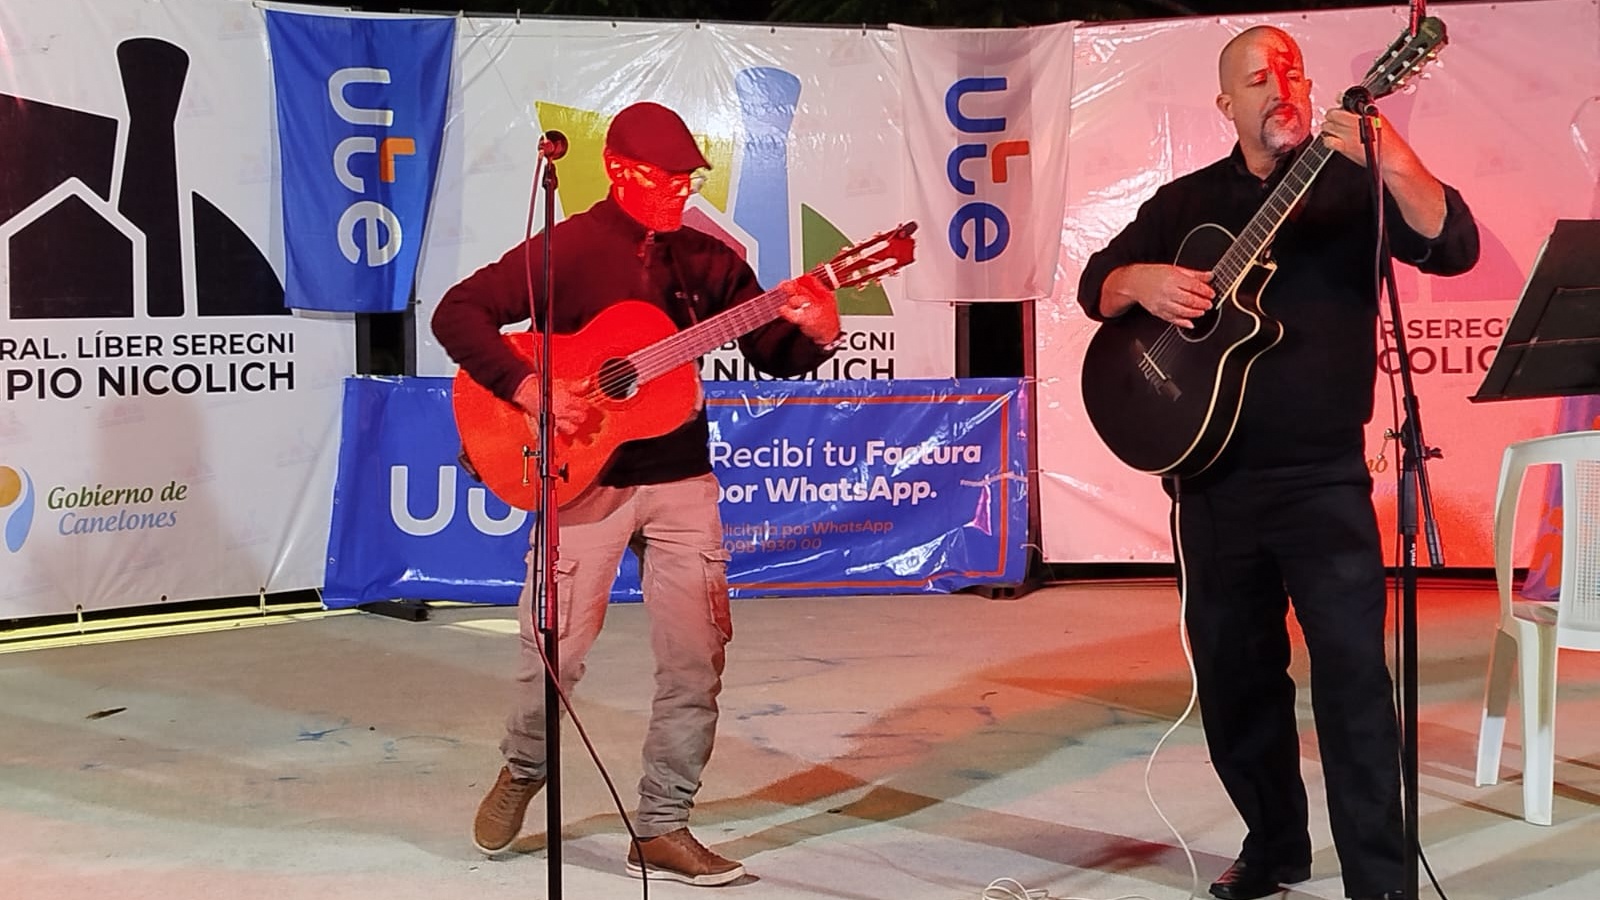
[(1506, 114), (841, 153)]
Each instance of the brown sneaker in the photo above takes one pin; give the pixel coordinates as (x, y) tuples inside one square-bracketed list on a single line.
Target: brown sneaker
[(677, 856), (500, 814)]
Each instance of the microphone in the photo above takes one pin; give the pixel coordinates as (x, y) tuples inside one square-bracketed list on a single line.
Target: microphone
[(1359, 101), (552, 145)]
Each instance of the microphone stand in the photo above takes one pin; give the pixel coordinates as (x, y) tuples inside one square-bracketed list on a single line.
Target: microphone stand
[(1413, 487), (547, 539)]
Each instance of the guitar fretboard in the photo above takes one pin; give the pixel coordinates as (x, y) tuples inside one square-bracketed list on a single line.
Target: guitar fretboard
[(708, 334), (1264, 224)]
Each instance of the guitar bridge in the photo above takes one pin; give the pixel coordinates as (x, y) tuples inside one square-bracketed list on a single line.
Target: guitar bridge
[(1153, 373)]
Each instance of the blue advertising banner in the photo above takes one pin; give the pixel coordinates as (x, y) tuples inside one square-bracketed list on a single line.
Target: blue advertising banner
[(828, 488), (361, 110)]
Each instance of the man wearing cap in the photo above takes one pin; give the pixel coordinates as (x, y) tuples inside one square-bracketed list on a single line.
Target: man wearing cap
[(657, 496)]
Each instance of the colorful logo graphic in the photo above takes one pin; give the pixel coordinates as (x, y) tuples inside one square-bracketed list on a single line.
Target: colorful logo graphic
[(758, 224), (16, 505)]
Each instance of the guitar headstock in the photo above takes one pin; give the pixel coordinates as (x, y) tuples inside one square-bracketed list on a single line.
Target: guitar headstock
[(876, 257), (1405, 57)]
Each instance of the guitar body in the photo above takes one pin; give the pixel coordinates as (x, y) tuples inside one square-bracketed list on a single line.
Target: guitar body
[(500, 442), (1166, 400)]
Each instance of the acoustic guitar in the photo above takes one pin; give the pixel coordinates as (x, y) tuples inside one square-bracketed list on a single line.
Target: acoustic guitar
[(636, 371), (1166, 399)]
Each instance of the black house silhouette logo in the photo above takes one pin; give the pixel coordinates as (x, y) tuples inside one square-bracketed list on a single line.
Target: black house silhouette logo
[(77, 252)]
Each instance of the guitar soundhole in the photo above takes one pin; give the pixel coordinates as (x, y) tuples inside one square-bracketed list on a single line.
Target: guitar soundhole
[(1203, 326), (619, 380)]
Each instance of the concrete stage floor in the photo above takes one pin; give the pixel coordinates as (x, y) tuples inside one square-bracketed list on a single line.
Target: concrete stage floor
[(904, 747)]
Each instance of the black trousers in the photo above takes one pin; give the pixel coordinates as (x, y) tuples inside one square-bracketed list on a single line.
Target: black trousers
[(1253, 542)]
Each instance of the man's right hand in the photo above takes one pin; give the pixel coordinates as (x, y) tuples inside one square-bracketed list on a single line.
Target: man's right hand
[(566, 399), (1171, 293)]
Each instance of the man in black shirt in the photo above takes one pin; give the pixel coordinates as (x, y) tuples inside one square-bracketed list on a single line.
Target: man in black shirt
[(657, 496), (1286, 510)]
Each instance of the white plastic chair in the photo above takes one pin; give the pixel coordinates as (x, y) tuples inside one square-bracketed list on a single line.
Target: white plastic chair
[(1531, 632)]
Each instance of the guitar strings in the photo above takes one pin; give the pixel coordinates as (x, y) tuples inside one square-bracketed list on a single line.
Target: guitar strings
[(653, 361), (858, 265), (1294, 184), (1169, 339), (650, 362), (1159, 349)]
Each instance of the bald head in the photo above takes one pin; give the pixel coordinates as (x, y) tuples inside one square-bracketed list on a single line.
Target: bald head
[(1264, 93), (1237, 52)]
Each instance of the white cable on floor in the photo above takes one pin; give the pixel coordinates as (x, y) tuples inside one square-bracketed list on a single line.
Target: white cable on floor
[(1194, 683), (1010, 888)]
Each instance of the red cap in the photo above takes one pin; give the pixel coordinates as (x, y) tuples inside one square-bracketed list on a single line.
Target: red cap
[(651, 133)]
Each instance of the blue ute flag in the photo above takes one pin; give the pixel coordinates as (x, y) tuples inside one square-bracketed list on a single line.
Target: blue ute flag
[(361, 110)]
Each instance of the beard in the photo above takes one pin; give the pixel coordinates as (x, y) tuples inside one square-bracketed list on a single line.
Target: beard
[(655, 210), (1281, 132)]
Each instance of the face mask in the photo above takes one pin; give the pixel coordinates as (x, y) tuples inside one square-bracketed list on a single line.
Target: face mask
[(650, 194)]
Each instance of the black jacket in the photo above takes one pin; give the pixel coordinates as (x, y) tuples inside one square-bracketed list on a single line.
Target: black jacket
[(1309, 397)]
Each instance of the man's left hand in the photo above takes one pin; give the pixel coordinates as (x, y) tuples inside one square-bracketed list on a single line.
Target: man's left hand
[(811, 306), (1341, 132), (1419, 195)]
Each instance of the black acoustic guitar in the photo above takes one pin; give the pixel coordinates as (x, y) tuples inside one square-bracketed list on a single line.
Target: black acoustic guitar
[(1166, 399)]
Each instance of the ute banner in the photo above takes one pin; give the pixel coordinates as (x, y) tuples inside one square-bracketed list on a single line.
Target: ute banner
[(361, 108), (862, 487), (987, 116)]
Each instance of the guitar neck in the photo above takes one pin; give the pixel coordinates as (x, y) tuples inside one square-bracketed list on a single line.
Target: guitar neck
[(706, 335), (1264, 224)]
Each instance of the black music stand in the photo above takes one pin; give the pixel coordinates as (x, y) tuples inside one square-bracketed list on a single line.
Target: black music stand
[(1551, 347)]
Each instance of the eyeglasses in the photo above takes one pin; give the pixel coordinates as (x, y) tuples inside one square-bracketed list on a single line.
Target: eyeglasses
[(653, 176)]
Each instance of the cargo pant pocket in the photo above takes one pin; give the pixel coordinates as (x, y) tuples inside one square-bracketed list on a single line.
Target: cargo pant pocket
[(716, 573), (566, 584)]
